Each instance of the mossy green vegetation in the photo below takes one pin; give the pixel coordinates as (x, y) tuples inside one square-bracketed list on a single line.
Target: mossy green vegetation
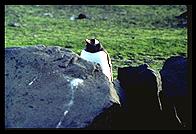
[(132, 34)]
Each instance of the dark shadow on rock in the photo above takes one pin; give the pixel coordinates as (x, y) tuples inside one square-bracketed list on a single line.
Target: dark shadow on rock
[(142, 105), (176, 95), (110, 119)]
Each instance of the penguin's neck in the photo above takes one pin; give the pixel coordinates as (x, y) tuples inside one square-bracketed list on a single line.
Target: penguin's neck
[(92, 50)]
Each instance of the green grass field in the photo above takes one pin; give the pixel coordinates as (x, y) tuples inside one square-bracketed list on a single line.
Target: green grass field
[(132, 34)]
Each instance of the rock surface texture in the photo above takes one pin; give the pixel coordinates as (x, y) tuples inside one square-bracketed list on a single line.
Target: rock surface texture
[(51, 87)]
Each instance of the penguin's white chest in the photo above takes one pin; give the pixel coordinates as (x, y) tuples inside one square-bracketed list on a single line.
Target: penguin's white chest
[(100, 58)]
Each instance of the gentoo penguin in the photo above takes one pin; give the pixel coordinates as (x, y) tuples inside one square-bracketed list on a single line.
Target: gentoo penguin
[(95, 52)]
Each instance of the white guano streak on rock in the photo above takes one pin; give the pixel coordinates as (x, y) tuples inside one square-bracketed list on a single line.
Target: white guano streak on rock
[(59, 124), (30, 83), (159, 86), (74, 84), (176, 114)]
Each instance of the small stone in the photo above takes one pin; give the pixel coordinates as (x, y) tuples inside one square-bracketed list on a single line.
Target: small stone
[(72, 17), (81, 16), (48, 14), (14, 24)]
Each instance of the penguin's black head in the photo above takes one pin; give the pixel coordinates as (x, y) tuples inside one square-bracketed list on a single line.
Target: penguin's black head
[(93, 46)]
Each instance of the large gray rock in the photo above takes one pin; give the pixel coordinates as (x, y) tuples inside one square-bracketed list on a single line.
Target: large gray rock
[(51, 87)]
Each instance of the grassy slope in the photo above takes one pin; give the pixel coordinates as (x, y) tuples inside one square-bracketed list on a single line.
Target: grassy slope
[(131, 34)]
